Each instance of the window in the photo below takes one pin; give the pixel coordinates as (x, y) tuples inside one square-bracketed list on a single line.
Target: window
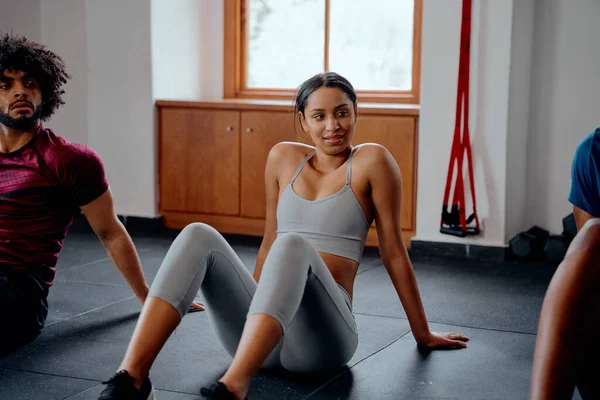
[(272, 46)]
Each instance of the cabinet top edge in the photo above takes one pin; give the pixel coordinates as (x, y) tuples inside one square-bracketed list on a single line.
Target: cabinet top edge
[(283, 106)]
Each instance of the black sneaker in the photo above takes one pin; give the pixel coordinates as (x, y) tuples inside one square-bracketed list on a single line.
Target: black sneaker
[(218, 391), (120, 387)]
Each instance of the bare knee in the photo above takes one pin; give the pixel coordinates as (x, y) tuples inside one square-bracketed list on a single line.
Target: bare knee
[(592, 227), (588, 237), (579, 272)]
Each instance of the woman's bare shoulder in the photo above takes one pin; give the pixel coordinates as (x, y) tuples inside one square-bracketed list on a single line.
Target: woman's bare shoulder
[(372, 152), (289, 151), (376, 161)]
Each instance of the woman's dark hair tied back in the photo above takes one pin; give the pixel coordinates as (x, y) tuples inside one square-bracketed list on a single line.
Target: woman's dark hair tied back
[(324, 79)]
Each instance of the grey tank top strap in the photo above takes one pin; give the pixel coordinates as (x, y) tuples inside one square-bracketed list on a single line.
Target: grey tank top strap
[(308, 157), (349, 167)]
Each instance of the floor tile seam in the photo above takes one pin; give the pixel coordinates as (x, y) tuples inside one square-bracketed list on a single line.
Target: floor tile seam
[(83, 391), (107, 258), (451, 324), (314, 392), (115, 285), (62, 270), (100, 383), (89, 311), (49, 374), (369, 269)]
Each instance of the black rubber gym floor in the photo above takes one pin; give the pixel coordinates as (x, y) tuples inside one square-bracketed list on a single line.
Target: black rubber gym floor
[(93, 313)]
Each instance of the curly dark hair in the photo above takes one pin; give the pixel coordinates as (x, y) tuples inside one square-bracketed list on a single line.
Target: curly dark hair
[(20, 53)]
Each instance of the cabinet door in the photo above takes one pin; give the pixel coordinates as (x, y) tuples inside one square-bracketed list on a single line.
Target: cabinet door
[(199, 161), (261, 130), (397, 134)]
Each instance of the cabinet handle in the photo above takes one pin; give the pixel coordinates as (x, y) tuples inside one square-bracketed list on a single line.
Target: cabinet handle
[(229, 129), (248, 130)]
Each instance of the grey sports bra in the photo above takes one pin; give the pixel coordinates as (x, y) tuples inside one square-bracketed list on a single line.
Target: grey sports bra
[(335, 224)]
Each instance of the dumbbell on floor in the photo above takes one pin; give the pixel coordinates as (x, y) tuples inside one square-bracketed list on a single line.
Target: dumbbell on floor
[(569, 227), (538, 244), (529, 245), (556, 247)]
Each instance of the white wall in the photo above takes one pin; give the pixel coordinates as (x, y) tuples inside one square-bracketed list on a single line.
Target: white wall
[(490, 62), (535, 95), (187, 49), (63, 31), (109, 98), (565, 98), (21, 18), (518, 117), (122, 56), (120, 104), (60, 27), (211, 48)]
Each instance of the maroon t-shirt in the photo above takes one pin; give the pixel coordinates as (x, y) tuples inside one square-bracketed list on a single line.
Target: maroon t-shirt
[(42, 186)]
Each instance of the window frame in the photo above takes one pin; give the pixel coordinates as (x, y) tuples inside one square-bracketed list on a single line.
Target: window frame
[(235, 65)]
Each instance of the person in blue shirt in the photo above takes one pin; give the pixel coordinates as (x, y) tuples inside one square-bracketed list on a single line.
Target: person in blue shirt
[(566, 347), (585, 176)]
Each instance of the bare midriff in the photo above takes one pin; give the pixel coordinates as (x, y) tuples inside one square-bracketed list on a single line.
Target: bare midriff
[(342, 269)]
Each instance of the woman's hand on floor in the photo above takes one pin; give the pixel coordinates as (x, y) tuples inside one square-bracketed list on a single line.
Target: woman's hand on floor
[(443, 340)]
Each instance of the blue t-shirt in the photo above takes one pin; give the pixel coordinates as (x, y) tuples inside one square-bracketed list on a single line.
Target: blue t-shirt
[(585, 175)]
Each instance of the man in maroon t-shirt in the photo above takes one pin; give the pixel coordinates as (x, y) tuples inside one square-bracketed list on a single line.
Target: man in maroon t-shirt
[(44, 181)]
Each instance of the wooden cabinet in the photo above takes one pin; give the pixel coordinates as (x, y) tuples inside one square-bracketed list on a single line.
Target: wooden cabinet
[(212, 157), (397, 135), (261, 130), (199, 162)]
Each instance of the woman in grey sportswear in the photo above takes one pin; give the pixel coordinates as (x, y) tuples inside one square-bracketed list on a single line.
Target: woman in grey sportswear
[(296, 311)]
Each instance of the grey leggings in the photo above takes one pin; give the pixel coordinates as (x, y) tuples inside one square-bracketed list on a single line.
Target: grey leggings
[(296, 288)]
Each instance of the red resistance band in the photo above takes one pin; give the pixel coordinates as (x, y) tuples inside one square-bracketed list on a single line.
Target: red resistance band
[(455, 222)]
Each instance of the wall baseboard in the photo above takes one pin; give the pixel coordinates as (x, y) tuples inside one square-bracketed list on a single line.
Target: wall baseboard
[(142, 225), (134, 225), (458, 251)]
